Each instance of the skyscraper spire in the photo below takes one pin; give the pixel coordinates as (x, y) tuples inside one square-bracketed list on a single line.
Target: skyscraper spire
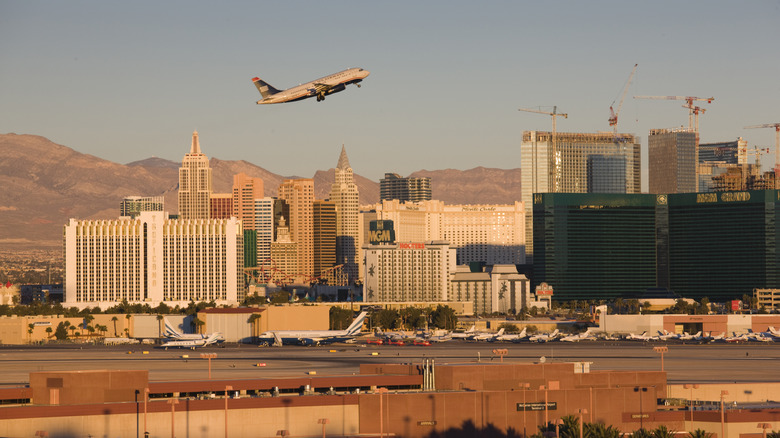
[(195, 149), (343, 160)]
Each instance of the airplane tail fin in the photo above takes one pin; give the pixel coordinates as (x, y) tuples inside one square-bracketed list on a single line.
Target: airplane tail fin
[(357, 324), (264, 88), (500, 332), (170, 331)]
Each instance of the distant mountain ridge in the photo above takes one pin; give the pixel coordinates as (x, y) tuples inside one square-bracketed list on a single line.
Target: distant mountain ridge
[(44, 184)]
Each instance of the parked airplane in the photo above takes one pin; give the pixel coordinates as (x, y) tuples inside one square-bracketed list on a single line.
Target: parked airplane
[(487, 336), (643, 337), (688, 337), (512, 337), (193, 343), (172, 334), (464, 335), (315, 337), (545, 337), (586, 335), (320, 87)]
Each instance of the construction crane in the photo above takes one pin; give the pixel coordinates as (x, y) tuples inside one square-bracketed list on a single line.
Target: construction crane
[(553, 149), (692, 109), (777, 141), (756, 151), (613, 115)]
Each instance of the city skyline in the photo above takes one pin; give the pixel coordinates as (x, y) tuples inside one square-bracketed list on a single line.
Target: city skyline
[(124, 84)]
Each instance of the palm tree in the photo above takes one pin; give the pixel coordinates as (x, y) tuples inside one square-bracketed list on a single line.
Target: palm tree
[(127, 328), (663, 432), (49, 331), (600, 430), (114, 319), (30, 328), (699, 433), (159, 325)]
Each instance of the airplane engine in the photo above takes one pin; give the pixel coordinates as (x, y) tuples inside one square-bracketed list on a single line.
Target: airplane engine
[(336, 89)]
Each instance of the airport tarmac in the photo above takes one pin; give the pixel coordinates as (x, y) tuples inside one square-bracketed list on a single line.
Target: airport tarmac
[(684, 363)]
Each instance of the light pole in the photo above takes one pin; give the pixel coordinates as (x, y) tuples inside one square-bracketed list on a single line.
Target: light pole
[(173, 402), (146, 400), (227, 388), (640, 390), (558, 423), (546, 421), (764, 426), (381, 391), (662, 350), (208, 356), (525, 387), (323, 422), (582, 411), (692, 386), (723, 393)]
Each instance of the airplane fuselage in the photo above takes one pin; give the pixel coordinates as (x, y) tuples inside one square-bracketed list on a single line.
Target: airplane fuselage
[(319, 87)]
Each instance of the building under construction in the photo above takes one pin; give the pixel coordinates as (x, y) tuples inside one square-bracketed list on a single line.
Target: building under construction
[(577, 162)]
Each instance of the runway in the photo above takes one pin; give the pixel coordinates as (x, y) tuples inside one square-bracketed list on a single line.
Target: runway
[(684, 363)]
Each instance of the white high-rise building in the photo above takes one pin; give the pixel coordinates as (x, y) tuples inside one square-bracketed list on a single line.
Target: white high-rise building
[(408, 272), (264, 226), (194, 183), (152, 259), (344, 193)]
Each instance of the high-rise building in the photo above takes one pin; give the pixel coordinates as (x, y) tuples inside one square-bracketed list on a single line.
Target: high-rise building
[(716, 160), (344, 194), (606, 174), (718, 245), (299, 196), (566, 169), (672, 160), (394, 186), (221, 206), (492, 234), (152, 259), (264, 225), (325, 235), (194, 183), (245, 190), (284, 256), (408, 272), (131, 206)]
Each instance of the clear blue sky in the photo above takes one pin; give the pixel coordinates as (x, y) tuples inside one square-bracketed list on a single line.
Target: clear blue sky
[(129, 80)]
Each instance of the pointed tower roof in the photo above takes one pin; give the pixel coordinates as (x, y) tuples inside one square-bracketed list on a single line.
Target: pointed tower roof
[(343, 160), (195, 149)]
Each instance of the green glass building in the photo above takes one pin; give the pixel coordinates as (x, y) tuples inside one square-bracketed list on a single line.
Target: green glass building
[(607, 246)]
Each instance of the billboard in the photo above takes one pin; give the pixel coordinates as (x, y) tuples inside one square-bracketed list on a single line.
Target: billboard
[(380, 232)]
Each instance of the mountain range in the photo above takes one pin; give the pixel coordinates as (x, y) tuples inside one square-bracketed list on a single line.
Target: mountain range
[(44, 184)]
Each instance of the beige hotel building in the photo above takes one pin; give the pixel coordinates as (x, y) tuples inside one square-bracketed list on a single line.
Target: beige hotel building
[(153, 259), (493, 234)]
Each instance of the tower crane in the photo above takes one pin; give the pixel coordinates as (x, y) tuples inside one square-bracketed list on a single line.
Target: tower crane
[(613, 115), (777, 141), (692, 109), (554, 114), (756, 151)]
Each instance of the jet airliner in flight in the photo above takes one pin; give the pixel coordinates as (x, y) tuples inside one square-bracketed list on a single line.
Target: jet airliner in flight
[(320, 87)]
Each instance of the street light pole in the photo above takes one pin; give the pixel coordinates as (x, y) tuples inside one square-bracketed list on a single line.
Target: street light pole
[(227, 388), (525, 387), (582, 411), (722, 416), (146, 400), (323, 422), (208, 356), (764, 426), (173, 402), (692, 386), (662, 350), (640, 390), (381, 391)]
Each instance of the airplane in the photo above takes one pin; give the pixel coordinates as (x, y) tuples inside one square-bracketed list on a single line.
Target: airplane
[(193, 343), (465, 335), (642, 337), (512, 337), (586, 335), (545, 337), (487, 336), (172, 334), (688, 337), (315, 337), (319, 87), (665, 336), (775, 333)]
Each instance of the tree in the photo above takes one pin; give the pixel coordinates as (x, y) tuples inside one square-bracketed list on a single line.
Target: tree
[(700, 433), (159, 325), (509, 327), (30, 328), (600, 430), (62, 331), (387, 319), (444, 317), (340, 319), (114, 319), (280, 297), (49, 332)]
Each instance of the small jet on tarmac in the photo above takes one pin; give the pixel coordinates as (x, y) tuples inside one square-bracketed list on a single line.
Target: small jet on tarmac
[(319, 87)]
